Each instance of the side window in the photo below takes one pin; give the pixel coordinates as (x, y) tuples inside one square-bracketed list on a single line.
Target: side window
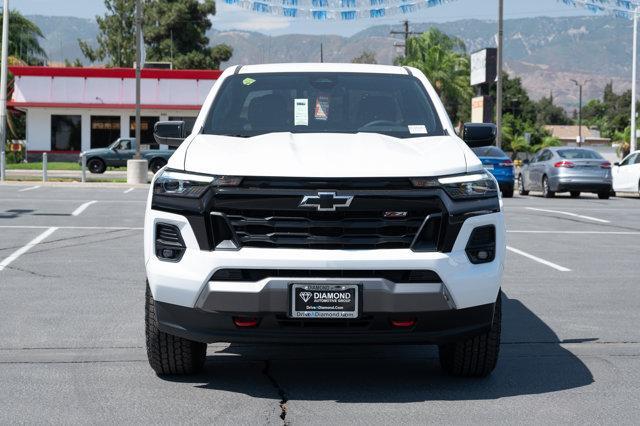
[(637, 159), (124, 144), (631, 159), (544, 155)]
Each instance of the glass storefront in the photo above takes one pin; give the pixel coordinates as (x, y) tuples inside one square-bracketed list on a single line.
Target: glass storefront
[(66, 132), (146, 129), (104, 130)]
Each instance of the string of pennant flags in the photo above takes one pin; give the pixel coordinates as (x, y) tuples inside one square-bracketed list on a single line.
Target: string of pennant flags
[(342, 10), (349, 10)]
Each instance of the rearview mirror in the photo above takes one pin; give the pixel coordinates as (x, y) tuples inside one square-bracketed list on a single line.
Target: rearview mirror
[(479, 134), (170, 133)]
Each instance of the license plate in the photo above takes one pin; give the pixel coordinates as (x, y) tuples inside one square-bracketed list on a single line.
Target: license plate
[(325, 300), (488, 166)]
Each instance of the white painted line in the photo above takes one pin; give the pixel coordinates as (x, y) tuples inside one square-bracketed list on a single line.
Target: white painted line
[(29, 188), (577, 232), (129, 190), (16, 254), (539, 260), (116, 228), (595, 219), (82, 208)]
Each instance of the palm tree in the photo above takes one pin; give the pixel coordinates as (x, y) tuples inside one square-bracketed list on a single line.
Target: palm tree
[(24, 39), (444, 60)]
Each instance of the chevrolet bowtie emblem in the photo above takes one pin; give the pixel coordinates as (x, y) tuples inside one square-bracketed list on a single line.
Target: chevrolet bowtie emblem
[(326, 201)]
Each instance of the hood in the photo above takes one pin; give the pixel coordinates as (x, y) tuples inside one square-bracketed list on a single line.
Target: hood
[(325, 155)]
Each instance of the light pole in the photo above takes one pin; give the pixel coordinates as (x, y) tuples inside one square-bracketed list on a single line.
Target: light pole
[(3, 86), (580, 110), (633, 80), (499, 79)]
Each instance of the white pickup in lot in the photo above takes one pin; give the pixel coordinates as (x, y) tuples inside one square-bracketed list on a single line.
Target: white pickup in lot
[(324, 203)]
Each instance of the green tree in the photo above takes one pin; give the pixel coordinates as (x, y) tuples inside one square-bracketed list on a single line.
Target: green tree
[(444, 60), (548, 113), (174, 30), (116, 40), (24, 39), (366, 57)]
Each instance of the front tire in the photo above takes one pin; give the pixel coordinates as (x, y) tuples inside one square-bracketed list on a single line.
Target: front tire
[(574, 194), (604, 195), (170, 354), (96, 166), (546, 191), (476, 356), (521, 189), (507, 191)]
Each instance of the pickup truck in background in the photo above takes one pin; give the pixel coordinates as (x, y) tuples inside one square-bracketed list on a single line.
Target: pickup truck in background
[(117, 154)]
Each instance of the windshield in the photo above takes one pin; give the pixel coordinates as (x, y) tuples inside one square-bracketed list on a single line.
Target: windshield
[(489, 151), (579, 154), (254, 104)]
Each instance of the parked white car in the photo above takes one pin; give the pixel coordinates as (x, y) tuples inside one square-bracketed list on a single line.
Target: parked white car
[(626, 174)]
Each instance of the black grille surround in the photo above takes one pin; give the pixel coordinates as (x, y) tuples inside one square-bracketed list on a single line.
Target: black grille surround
[(266, 213), (393, 275)]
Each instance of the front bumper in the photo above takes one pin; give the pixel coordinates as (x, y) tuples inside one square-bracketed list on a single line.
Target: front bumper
[(431, 327)]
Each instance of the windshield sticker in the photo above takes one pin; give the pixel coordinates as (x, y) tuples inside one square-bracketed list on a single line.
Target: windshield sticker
[(417, 129), (322, 108), (248, 81), (301, 112)]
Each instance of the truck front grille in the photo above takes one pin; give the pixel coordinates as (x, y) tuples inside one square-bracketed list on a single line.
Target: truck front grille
[(324, 230)]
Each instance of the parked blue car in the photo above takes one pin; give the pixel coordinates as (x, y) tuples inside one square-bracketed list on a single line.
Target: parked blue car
[(500, 166)]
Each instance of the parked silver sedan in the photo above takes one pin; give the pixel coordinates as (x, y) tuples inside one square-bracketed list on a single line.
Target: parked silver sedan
[(566, 169)]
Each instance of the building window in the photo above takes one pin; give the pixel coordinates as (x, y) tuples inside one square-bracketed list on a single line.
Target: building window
[(104, 130), (146, 130), (66, 132)]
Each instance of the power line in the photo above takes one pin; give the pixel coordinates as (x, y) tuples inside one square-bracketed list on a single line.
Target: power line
[(405, 33)]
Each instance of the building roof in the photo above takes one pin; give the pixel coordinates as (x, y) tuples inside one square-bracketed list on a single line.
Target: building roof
[(90, 72), (571, 132), (109, 88)]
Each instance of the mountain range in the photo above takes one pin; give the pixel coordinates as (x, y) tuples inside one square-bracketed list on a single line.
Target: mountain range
[(547, 53)]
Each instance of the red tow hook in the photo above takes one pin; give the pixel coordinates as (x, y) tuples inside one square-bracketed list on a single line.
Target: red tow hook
[(403, 323), (245, 322)]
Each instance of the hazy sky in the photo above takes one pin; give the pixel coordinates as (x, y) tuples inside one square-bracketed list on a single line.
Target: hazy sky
[(230, 17)]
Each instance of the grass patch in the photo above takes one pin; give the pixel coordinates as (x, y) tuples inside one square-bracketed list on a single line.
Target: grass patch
[(52, 165)]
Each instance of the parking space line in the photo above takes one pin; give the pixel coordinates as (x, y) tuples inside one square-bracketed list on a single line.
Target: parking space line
[(595, 219), (82, 208), (539, 260), (576, 232), (115, 228), (29, 188), (128, 190), (16, 254)]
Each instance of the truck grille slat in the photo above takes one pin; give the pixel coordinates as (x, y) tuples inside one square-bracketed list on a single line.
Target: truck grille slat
[(319, 230)]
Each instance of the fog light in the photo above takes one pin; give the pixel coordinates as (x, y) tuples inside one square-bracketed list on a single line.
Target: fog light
[(481, 247), (482, 255), (168, 253)]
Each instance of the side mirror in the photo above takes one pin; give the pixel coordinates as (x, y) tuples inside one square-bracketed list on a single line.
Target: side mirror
[(479, 134), (617, 163), (525, 161), (170, 133)]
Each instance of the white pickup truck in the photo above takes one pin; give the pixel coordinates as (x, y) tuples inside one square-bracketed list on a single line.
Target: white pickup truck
[(324, 204)]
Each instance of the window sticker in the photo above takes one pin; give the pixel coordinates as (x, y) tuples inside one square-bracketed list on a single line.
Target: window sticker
[(248, 81), (322, 108), (417, 129), (300, 112)]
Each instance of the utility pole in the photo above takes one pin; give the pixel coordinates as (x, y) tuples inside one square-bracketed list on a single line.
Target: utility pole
[(580, 109), (499, 79), (633, 139), (137, 167), (405, 33), (138, 59), (3, 86)]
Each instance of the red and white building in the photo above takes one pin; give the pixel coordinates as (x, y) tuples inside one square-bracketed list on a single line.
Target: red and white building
[(74, 109)]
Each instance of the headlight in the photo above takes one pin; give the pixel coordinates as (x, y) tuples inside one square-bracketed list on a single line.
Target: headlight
[(189, 185), (473, 185), (464, 186)]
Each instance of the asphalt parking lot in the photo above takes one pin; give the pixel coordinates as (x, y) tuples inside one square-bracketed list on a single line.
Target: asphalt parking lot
[(72, 338)]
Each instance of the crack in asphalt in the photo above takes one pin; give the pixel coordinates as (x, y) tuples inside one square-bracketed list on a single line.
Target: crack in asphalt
[(284, 399), (48, 242)]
